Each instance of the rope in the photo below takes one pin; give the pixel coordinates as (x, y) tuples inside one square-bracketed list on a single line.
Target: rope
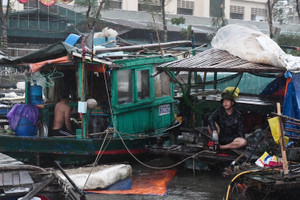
[(96, 161), (99, 155), (153, 167)]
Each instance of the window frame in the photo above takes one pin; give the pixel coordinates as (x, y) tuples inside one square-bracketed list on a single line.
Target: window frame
[(135, 99)]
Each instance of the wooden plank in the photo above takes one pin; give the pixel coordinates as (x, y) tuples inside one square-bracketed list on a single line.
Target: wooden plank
[(37, 189), (25, 178), (6, 160), (1, 179), (7, 179), (282, 144), (16, 179)]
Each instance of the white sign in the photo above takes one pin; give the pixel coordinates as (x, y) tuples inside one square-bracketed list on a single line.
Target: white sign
[(164, 109)]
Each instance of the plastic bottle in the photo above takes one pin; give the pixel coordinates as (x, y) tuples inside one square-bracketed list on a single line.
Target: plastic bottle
[(215, 138)]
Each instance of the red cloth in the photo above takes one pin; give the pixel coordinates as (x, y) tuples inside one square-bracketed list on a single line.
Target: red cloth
[(23, 1)]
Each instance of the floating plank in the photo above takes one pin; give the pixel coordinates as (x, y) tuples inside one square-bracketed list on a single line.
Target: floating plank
[(38, 188), (1, 179), (6, 160), (25, 178), (7, 179), (16, 179)]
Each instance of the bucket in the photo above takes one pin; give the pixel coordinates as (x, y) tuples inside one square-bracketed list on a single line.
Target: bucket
[(26, 128), (72, 39), (36, 95)]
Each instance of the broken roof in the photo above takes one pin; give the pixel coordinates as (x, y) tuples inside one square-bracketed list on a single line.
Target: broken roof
[(214, 60)]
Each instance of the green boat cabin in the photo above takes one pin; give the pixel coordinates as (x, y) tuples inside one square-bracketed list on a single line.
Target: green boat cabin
[(140, 104)]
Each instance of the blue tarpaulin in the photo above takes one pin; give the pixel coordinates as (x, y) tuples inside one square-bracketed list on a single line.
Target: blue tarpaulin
[(275, 87), (291, 105)]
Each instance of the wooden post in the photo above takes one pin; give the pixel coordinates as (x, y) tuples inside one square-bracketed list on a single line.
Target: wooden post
[(204, 80), (282, 144), (27, 90), (81, 75)]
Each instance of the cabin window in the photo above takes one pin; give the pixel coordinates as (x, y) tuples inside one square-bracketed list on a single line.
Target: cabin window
[(143, 84), (124, 86), (162, 85)]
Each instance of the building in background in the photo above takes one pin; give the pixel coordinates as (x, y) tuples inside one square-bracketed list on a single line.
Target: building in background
[(248, 10)]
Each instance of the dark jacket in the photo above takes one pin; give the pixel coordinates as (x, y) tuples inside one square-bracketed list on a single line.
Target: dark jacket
[(231, 126)]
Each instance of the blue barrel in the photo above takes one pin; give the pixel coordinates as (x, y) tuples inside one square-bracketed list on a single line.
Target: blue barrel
[(25, 128), (36, 95)]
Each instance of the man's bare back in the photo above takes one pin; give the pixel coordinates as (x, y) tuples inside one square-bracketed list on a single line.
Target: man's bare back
[(62, 116)]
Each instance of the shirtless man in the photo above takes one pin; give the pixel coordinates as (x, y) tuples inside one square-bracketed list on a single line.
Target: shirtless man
[(226, 124), (61, 123)]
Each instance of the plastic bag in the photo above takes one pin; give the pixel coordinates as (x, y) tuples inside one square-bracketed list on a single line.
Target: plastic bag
[(250, 45), (28, 111)]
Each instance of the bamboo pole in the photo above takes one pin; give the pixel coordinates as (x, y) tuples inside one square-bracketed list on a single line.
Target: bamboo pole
[(157, 35), (282, 144), (140, 47)]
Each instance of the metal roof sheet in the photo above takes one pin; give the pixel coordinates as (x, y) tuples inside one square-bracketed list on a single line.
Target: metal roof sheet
[(215, 60)]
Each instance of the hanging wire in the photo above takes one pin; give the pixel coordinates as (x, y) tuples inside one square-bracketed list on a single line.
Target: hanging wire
[(126, 147)]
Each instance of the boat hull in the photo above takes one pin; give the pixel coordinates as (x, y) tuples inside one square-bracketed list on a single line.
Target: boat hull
[(68, 150)]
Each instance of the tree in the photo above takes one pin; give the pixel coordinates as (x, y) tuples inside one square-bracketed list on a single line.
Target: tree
[(151, 6), (218, 21), (298, 8), (187, 32), (270, 6), (4, 20), (282, 11), (93, 12), (163, 12)]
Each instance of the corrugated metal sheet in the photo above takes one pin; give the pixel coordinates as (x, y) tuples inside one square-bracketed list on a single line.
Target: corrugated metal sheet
[(215, 60)]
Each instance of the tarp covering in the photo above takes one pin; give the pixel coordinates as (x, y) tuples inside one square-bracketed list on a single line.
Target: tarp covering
[(291, 105), (37, 66), (276, 87), (148, 183), (254, 46), (50, 52)]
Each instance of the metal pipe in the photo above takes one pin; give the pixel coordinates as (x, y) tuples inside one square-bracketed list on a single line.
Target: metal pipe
[(140, 47), (82, 195)]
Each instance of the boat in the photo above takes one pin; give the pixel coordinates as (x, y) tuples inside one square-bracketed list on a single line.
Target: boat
[(201, 80), (279, 181), (21, 181), (132, 110)]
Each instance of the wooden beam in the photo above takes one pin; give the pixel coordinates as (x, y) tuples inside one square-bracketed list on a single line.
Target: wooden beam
[(39, 188), (282, 144)]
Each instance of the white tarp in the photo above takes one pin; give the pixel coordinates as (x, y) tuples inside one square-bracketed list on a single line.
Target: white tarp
[(101, 177), (254, 46)]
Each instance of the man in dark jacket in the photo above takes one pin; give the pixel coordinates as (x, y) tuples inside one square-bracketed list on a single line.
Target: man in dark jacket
[(226, 124)]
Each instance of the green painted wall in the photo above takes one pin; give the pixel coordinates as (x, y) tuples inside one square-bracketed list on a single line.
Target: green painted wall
[(141, 116)]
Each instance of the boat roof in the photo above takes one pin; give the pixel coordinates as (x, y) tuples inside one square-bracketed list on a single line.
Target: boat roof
[(215, 60), (55, 53)]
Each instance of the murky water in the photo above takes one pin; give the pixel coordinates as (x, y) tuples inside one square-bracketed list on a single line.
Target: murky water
[(185, 185)]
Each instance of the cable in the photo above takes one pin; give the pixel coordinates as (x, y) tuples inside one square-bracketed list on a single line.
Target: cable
[(240, 174)]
